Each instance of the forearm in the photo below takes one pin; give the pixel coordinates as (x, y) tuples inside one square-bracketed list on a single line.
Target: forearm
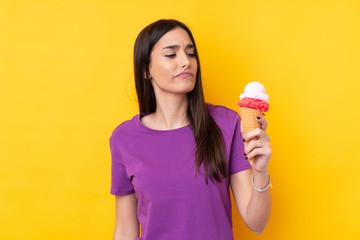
[(259, 208)]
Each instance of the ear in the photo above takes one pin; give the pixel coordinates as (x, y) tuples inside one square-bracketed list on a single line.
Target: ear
[(147, 77)]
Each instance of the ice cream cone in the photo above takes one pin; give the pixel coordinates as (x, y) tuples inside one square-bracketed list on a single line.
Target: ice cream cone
[(249, 122)]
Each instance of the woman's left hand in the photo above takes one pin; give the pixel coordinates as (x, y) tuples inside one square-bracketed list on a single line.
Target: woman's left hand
[(258, 149)]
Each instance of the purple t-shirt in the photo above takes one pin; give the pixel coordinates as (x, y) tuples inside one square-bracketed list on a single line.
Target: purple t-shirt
[(159, 166)]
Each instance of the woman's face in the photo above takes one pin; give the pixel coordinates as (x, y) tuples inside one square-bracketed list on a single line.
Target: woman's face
[(171, 55)]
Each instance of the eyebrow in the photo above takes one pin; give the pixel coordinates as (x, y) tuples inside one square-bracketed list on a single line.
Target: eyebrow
[(177, 46)]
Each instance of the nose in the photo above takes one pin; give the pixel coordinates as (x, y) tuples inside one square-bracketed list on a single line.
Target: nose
[(184, 60)]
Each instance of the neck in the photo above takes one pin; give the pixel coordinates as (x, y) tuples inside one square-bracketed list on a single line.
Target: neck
[(171, 111)]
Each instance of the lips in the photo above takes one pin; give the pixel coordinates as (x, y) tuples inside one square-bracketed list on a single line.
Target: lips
[(185, 74)]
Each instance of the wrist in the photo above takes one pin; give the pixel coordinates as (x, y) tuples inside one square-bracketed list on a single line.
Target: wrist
[(264, 172), (261, 179)]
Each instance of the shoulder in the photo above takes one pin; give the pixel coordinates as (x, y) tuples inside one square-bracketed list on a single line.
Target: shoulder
[(226, 119), (222, 114), (124, 128)]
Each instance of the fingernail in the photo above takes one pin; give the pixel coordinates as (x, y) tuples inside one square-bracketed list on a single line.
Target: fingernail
[(243, 140), (258, 118), (246, 157), (245, 154)]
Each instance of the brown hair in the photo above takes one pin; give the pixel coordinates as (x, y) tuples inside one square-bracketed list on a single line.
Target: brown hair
[(210, 149)]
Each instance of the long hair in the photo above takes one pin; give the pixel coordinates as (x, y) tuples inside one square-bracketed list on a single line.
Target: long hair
[(210, 149)]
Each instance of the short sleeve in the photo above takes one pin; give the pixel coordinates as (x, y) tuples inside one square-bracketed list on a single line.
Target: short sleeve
[(237, 161), (120, 183)]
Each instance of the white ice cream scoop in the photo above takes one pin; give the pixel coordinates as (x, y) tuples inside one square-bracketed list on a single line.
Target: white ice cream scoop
[(255, 90)]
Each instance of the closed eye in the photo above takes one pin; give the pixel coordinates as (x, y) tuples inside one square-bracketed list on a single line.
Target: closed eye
[(173, 55)]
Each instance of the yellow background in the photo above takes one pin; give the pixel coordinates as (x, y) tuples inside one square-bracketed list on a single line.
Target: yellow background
[(67, 82)]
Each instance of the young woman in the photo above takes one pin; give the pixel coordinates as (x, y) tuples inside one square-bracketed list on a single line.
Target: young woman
[(163, 157)]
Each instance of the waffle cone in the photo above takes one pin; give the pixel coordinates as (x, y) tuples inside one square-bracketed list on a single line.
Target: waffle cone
[(249, 122)]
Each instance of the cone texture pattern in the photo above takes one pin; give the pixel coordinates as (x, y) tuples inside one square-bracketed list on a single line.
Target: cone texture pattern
[(249, 122)]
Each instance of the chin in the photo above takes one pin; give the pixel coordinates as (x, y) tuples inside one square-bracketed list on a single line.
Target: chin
[(179, 88), (188, 89)]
